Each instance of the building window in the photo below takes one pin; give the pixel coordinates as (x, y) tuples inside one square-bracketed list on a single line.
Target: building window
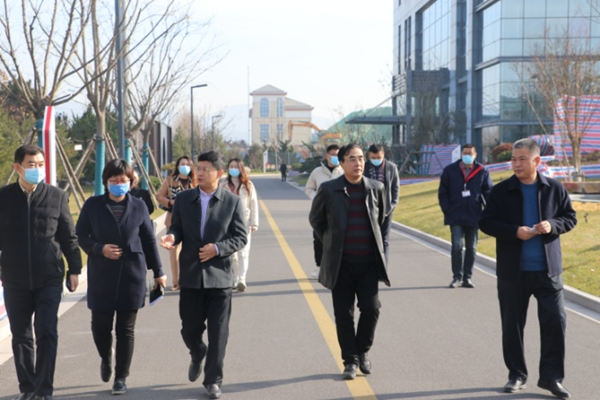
[(433, 32), (279, 107), (264, 133), (280, 131), (399, 49), (407, 44), (264, 108)]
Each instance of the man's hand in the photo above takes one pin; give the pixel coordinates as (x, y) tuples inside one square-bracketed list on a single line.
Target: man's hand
[(74, 279), (161, 280), (526, 232), (168, 242), (543, 227), (112, 251), (207, 252)]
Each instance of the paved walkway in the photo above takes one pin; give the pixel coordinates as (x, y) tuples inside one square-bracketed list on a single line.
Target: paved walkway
[(432, 342)]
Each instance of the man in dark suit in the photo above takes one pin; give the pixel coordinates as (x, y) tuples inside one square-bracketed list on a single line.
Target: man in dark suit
[(36, 230), (347, 216), (386, 172), (209, 222), (526, 214)]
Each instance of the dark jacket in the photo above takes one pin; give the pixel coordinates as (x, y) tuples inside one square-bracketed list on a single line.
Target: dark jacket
[(329, 216), (34, 237), (459, 210), (224, 226), (392, 183), (503, 215), (117, 284), (145, 196)]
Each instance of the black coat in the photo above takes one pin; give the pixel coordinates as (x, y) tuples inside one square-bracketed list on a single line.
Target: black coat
[(503, 216), (34, 237), (459, 210), (145, 196), (392, 183), (225, 226), (117, 284), (329, 217)]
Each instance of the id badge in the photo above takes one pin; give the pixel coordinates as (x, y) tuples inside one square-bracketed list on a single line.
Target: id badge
[(466, 193)]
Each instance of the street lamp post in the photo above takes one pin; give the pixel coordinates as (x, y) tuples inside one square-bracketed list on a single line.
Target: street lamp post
[(212, 131), (192, 119)]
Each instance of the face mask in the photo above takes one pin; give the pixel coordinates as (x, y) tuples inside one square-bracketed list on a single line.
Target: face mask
[(118, 190), (468, 159), (376, 161), (184, 170), (234, 172), (34, 175), (335, 160)]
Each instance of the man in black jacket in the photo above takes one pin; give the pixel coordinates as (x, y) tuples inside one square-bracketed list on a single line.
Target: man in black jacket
[(210, 223), (386, 172), (36, 229), (347, 215), (464, 187), (527, 214)]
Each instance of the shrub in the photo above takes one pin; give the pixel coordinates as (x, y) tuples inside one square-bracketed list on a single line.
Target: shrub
[(310, 164), (155, 182), (296, 166), (504, 156)]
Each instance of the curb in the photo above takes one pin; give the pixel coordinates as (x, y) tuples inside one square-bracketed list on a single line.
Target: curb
[(576, 296)]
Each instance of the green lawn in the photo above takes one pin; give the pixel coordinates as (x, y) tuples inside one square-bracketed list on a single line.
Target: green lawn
[(418, 208)]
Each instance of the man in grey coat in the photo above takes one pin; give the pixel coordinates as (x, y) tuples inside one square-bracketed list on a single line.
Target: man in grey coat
[(347, 215), (209, 222)]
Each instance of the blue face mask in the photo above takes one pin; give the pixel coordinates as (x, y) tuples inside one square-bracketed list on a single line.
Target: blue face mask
[(468, 159), (335, 160), (234, 172), (184, 170), (118, 190), (34, 175), (377, 161)]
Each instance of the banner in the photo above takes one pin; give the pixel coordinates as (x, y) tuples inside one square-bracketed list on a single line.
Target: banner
[(49, 145)]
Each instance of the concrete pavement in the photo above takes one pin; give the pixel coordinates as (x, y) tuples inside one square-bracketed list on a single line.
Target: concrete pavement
[(432, 342)]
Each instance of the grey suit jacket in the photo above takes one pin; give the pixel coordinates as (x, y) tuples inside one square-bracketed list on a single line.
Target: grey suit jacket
[(224, 227)]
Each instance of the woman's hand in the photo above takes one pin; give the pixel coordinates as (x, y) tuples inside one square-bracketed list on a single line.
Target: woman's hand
[(253, 228), (112, 251)]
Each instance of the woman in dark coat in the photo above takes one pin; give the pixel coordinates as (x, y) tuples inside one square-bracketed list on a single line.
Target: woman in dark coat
[(116, 232)]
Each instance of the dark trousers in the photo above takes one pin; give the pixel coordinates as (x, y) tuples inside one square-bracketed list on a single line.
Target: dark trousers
[(356, 281), (514, 300), (283, 176), (102, 326), (21, 304), (386, 227), (463, 270), (199, 308), (318, 249)]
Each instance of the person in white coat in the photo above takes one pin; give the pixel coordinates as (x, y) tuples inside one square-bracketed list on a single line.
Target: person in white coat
[(237, 182)]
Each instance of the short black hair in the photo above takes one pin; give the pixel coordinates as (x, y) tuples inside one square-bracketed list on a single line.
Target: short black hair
[(468, 146), (332, 147), (376, 148), (346, 149), (213, 157), (115, 168), (27, 150)]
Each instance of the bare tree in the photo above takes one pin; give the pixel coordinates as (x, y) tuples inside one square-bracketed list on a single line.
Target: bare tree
[(562, 81)]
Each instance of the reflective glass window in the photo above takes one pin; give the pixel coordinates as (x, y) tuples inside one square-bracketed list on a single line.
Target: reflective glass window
[(579, 27), (532, 47), (534, 8), (579, 8), (512, 28), (595, 29), (264, 107), (512, 8), (534, 28), (512, 47), (279, 107), (509, 72), (264, 132), (557, 8), (557, 27)]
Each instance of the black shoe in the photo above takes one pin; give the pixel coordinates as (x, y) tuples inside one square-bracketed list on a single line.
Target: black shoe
[(514, 385), (454, 284), (196, 364), (364, 363), (556, 388), (106, 368), (25, 396), (213, 390), (468, 284), (119, 387), (349, 372)]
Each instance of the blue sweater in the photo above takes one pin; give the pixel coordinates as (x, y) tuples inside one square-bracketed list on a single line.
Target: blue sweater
[(533, 257)]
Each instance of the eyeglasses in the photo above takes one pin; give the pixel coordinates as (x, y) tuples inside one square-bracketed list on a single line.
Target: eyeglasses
[(205, 169), (355, 159), (118, 181)]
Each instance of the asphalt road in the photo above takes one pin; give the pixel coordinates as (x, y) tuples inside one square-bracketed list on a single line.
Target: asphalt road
[(431, 343)]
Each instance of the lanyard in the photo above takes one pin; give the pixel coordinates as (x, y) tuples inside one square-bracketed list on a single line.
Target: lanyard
[(471, 174)]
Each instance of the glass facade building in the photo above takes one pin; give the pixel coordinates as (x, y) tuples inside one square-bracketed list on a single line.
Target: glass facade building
[(481, 46)]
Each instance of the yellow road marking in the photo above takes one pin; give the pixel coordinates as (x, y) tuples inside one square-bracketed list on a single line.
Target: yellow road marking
[(359, 388)]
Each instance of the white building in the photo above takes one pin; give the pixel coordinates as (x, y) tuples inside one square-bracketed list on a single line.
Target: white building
[(277, 117)]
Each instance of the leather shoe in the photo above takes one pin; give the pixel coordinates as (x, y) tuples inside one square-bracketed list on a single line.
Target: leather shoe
[(364, 363), (349, 371), (25, 396), (196, 364), (455, 282), (468, 284), (514, 385), (556, 388), (213, 390), (119, 387), (106, 368)]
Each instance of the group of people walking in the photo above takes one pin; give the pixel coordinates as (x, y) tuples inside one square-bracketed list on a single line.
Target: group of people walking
[(209, 224)]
